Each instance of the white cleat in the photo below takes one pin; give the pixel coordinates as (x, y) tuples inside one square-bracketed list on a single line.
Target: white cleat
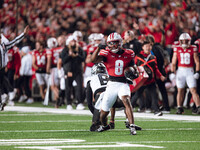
[(69, 107), (22, 98), (30, 101), (132, 130), (10, 103), (80, 107)]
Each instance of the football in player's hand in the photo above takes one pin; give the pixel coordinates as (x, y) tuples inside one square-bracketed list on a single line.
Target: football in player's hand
[(130, 73)]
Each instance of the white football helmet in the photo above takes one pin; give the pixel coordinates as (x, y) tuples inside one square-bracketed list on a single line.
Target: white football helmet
[(52, 42), (114, 42), (78, 35), (99, 39), (69, 39), (184, 40), (91, 38)]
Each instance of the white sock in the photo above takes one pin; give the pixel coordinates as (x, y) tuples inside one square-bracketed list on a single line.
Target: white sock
[(11, 95), (3, 98)]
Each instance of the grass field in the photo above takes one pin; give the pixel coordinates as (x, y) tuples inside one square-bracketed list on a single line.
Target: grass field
[(59, 131)]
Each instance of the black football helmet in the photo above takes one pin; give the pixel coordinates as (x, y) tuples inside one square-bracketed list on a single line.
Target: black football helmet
[(98, 68)]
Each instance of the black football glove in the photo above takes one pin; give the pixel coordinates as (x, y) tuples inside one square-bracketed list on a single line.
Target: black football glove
[(101, 46), (131, 74)]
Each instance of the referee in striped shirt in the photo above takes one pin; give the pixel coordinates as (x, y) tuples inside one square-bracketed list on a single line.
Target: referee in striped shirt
[(4, 47)]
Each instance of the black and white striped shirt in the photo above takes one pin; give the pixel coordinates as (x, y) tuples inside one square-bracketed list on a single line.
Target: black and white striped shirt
[(5, 47)]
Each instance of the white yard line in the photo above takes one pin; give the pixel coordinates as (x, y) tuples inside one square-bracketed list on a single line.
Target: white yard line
[(8, 142), (119, 145), (85, 130), (75, 141), (32, 114), (55, 121), (45, 121), (87, 112)]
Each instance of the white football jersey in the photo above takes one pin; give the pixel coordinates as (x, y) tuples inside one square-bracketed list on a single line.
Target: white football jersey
[(98, 82)]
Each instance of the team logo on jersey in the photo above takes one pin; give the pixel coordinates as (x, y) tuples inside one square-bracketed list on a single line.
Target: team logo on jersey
[(131, 46)]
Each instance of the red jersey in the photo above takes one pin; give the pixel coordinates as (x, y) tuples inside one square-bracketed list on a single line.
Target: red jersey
[(14, 60), (198, 43), (185, 56), (10, 64), (116, 63), (90, 49), (41, 58), (54, 53)]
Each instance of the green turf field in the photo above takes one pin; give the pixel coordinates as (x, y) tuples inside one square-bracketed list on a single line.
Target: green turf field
[(45, 131)]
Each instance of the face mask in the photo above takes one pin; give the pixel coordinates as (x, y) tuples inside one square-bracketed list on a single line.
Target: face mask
[(184, 45)]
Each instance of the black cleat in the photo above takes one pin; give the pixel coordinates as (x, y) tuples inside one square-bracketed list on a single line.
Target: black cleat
[(158, 113), (2, 105), (138, 127), (94, 126), (180, 111), (128, 126), (103, 128), (112, 125), (196, 111)]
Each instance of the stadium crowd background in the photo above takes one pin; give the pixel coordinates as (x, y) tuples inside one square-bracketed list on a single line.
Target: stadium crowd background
[(164, 19), (52, 18)]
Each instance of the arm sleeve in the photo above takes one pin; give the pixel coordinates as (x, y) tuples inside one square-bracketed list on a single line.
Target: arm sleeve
[(89, 97), (14, 42)]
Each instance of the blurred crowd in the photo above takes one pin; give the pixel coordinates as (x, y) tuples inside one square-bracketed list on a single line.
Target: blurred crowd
[(165, 20)]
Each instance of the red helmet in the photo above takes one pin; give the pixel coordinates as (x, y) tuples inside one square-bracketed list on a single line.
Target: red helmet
[(114, 42)]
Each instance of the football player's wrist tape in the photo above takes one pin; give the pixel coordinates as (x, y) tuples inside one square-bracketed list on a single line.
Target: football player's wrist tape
[(196, 75)]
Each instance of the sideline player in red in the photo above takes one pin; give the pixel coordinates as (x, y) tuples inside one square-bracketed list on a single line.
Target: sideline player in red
[(52, 60), (116, 59), (187, 57), (39, 62)]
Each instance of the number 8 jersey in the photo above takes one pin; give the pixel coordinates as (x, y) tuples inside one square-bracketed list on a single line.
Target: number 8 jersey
[(185, 56), (116, 63)]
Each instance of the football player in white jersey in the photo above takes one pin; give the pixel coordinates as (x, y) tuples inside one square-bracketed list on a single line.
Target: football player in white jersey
[(187, 58), (96, 87)]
